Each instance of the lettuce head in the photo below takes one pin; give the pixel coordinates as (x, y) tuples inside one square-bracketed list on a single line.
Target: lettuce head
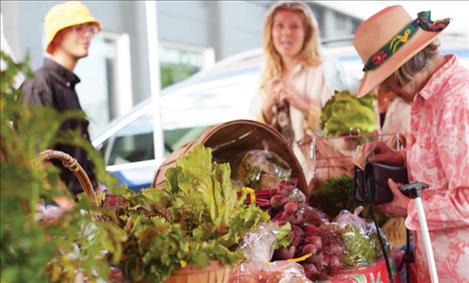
[(344, 113)]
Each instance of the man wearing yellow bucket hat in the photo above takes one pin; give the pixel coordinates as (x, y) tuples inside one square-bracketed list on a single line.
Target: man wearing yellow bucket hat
[(402, 55), (69, 29)]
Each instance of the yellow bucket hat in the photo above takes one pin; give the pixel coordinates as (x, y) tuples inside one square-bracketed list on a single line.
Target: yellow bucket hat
[(65, 15)]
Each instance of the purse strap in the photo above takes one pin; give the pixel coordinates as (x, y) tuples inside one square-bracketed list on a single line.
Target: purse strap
[(369, 189), (382, 244)]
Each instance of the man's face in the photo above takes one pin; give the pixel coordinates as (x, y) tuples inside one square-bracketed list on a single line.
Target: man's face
[(75, 40)]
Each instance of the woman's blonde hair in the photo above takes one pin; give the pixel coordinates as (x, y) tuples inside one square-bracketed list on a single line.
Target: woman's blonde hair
[(309, 55)]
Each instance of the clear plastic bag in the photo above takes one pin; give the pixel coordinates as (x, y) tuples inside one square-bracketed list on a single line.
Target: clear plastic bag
[(270, 272), (262, 169), (360, 237), (259, 246)]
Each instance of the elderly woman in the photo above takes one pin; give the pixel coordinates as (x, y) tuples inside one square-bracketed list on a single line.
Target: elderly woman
[(401, 54)]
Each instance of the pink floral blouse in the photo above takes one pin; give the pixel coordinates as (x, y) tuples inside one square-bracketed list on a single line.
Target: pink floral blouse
[(439, 156)]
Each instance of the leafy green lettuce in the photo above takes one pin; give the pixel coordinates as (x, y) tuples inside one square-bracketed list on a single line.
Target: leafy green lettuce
[(196, 218), (344, 114)]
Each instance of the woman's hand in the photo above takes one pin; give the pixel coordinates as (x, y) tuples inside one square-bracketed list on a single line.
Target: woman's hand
[(295, 99), (383, 154), (273, 90), (398, 206)]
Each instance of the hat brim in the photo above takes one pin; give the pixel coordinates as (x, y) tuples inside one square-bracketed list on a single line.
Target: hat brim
[(77, 21), (373, 78)]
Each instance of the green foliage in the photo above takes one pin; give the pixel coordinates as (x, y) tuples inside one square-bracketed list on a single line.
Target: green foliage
[(284, 237), (195, 219), (344, 114), (358, 248), (173, 73), (336, 194), (32, 251)]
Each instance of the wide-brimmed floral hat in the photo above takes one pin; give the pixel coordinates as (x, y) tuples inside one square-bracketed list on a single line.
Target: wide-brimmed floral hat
[(390, 38)]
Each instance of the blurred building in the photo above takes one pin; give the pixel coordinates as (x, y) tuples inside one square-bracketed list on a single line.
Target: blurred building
[(192, 36)]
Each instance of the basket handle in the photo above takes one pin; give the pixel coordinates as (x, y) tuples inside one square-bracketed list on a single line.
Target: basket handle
[(73, 165)]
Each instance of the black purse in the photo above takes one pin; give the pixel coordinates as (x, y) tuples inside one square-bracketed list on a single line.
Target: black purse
[(371, 184), (371, 187)]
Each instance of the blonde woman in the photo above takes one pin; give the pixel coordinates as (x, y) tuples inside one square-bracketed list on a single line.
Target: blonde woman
[(293, 73)]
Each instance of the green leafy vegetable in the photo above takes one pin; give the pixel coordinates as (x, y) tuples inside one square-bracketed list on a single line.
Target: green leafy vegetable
[(334, 195), (196, 218), (284, 237), (344, 114), (358, 249)]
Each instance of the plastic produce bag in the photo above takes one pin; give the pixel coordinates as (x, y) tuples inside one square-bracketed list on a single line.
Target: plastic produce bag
[(360, 238), (259, 246), (262, 169), (270, 272)]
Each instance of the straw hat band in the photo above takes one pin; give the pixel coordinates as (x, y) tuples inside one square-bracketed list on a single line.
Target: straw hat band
[(423, 21)]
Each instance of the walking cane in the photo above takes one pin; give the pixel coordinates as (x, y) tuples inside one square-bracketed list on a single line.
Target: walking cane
[(413, 190)]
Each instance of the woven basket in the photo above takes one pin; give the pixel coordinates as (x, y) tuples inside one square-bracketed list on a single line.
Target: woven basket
[(232, 138), (214, 273), (72, 164), (331, 157)]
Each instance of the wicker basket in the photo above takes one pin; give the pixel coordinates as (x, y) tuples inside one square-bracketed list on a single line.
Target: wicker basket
[(72, 164), (331, 157), (214, 273), (232, 138)]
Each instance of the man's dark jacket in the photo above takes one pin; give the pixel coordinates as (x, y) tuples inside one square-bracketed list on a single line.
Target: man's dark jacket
[(54, 86)]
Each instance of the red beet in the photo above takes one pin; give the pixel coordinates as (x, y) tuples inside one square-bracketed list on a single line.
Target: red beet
[(285, 253), (313, 216), (283, 217), (318, 260), (310, 229), (309, 248), (311, 271), (315, 240), (299, 218), (335, 249), (297, 231), (290, 208), (334, 263), (278, 201)]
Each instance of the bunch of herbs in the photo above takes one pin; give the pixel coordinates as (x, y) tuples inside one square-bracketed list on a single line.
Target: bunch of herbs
[(194, 219)]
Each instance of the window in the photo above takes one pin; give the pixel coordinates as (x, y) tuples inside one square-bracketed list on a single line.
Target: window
[(178, 61), (132, 143), (177, 138)]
